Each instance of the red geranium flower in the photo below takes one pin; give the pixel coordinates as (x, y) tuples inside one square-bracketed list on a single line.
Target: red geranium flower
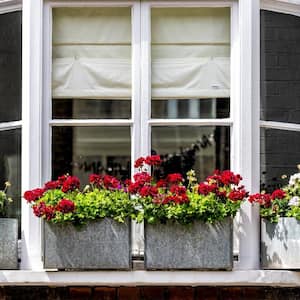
[(111, 182), (142, 178), (96, 179), (205, 188), (153, 160), (236, 195), (33, 195), (52, 185), (41, 209), (228, 177), (262, 199), (139, 162), (278, 194), (174, 178), (65, 206), (71, 183)]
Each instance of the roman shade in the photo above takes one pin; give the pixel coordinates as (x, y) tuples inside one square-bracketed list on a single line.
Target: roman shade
[(92, 53)]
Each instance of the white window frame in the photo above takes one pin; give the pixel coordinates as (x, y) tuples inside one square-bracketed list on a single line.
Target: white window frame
[(244, 115)]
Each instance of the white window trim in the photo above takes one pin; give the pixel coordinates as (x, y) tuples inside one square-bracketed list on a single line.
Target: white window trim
[(282, 6), (244, 118), (4, 126), (7, 6), (280, 125), (32, 46)]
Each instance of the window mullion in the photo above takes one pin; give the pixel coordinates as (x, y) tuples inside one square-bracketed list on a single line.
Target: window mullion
[(280, 125), (145, 78)]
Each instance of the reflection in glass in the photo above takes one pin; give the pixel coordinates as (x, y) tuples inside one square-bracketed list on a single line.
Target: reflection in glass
[(84, 150), (10, 168), (91, 109), (10, 66), (279, 155), (280, 85), (203, 149), (191, 108)]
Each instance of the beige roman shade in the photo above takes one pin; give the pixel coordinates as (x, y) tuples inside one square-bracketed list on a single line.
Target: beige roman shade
[(92, 53), (190, 52)]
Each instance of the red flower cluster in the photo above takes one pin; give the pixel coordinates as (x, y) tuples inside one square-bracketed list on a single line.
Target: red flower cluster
[(224, 178), (278, 194), (204, 188), (65, 206), (152, 160), (266, 199), (48, 211), (71, 183), (106, 181), (262, 199), (33, 195), (237, 195), (174, 178), (52, 185), (221, 183), (41, 209), (164, 191)]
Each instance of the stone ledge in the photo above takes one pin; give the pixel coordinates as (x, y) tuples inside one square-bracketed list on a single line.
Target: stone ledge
[(151, 278)]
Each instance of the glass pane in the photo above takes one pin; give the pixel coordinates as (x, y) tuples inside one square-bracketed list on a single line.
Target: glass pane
[(91, 51), (279, 155), (10, 66), (91, 109), (191, 108), (10, 168), (203, 149), (190, 50), (81, 151), (280, 81)]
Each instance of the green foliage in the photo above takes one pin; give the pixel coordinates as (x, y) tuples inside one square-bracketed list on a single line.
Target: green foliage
[(91, 205), (284, 202), (207, 208), (4, 200)]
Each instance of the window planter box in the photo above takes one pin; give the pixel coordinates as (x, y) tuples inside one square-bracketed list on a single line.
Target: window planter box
[(104, 244), (8, 244), (280, 244), (197, 246)]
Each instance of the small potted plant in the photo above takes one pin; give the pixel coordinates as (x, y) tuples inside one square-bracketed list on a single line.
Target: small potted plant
[(280, 225), (84, 228), (188, 225), (8, 233)]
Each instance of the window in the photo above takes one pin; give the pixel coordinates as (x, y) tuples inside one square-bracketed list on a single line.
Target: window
[(91, 80), (103, 118), (130, 80), (10, 107), (280, 98)]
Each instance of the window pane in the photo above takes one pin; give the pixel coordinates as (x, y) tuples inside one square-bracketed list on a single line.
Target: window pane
[(81, 151), (10, 66), (203, 149), (280, 155), (91, 109), (10, 168), (92, 59), (280, 76), (190, 59), (190, 108)]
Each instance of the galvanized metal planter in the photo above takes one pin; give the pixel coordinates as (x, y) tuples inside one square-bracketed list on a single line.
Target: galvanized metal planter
[(280, 244), (104, 244), (198, 246), (8, 244)]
